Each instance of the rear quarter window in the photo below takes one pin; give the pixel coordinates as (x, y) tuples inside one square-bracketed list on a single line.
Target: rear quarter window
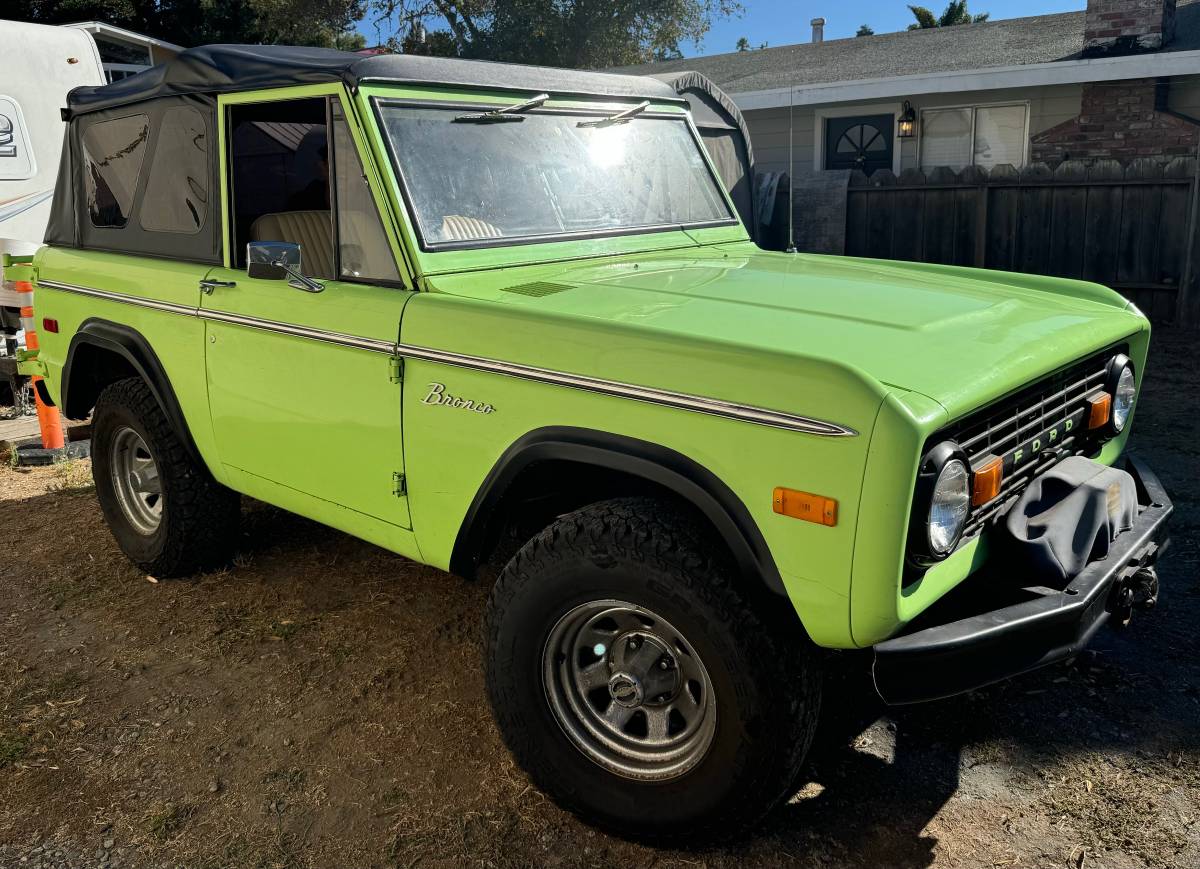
[(112, 153), (176, 197)]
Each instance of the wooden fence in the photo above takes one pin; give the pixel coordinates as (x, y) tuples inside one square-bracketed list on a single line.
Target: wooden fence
[(1131, 228)]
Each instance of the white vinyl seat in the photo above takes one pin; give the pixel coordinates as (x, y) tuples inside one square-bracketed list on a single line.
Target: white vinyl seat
[(455, 227), (312, 230)]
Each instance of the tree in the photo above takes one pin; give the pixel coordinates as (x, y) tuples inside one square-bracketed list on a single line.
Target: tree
[(574, 33), (956, 12), (864, 30), (743, 44), (198, 22)]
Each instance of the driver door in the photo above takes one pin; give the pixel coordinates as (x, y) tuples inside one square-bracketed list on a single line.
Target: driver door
[(304, 403)]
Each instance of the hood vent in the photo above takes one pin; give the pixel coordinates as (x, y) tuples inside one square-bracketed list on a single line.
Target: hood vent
[(537, 289)]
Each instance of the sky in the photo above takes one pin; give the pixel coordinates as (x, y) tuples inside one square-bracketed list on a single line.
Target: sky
[(784, 22)]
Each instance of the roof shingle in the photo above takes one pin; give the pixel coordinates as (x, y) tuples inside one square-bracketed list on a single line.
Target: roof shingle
[(1011, 42)]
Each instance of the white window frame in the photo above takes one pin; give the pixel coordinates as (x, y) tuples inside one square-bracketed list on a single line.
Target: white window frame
[(820, 116), (974, 107)]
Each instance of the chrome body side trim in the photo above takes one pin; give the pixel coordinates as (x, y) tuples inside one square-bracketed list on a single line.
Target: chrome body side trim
[(123, 298), (651, 395), (370, 344), (619, 389)]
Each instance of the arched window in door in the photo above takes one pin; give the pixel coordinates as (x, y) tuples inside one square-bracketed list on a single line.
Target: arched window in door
[(861, 142)]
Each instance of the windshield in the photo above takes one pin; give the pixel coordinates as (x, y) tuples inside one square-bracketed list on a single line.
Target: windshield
[(473, 182)]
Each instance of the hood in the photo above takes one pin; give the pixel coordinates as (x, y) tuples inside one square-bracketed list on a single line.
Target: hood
[(959, 336)]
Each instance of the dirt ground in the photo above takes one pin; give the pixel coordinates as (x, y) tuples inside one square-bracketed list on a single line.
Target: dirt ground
[(321, 704)]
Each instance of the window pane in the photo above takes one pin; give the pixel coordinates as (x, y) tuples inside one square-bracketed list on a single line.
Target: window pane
[(176, 197), (1000, 135), (945, 138), (112, 155), (549, 174), (362, 243)]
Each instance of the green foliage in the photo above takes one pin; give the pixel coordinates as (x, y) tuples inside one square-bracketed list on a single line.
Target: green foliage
[(198, 22), (743, 44), (573, 33), (956, 12), (865, 30)]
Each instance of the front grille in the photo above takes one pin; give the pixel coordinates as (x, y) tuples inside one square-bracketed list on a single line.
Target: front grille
[(1011, 422)]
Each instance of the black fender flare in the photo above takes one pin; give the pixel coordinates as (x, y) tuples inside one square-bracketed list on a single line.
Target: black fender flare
[(653, 462), (132, 346)]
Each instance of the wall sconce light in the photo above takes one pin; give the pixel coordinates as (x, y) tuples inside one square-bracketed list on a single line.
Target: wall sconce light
[(907, 126)]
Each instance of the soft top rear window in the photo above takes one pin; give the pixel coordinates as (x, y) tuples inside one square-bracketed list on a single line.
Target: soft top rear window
[(549, 175)]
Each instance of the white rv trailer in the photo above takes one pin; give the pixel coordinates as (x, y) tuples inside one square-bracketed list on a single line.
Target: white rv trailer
[(39, 64)]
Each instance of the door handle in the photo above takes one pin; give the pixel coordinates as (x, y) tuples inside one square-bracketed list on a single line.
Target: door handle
[(207, 285)]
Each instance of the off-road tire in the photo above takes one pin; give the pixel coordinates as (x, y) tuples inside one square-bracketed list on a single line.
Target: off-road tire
[(199, 524), (764, 671)]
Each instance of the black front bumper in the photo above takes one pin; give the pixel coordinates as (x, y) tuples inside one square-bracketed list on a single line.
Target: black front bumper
[(962, 643)]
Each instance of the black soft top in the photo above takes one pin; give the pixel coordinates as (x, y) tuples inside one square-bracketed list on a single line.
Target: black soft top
[(212, 69)]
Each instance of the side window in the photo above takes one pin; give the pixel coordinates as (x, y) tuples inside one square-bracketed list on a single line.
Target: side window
[(112, 155), (363, 250), (279, 180), (16, 156), (176, 197)]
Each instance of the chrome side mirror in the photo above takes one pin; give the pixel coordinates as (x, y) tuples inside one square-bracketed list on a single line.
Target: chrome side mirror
[(276, 260)]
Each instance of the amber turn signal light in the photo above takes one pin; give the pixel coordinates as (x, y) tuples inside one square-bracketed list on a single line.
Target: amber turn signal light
[(985, 484), (806, 506), (1099, 410)]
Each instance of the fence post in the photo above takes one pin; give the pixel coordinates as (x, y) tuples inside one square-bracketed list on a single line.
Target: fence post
[(979, 176), (1187, 309)]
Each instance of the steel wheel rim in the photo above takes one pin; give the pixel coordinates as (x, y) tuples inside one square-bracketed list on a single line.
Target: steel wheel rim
[(629, 690), (136, 481)]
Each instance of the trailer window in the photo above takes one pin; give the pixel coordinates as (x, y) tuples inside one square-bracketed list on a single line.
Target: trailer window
[(112, 155)]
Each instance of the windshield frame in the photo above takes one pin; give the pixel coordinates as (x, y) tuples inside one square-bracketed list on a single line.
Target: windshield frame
[(379, 103)]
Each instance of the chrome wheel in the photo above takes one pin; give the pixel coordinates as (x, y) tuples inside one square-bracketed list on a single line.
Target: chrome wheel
[(629, 690), (135, 481)]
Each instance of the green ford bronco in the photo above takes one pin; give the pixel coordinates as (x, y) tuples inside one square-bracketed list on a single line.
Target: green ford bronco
[(492, 315)]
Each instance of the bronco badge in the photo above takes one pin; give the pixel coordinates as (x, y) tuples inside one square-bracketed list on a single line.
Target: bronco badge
[(439, 395)]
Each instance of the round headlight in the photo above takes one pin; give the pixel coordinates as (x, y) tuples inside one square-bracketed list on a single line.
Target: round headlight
[(941, 504), (1124, 390), (949, 507)]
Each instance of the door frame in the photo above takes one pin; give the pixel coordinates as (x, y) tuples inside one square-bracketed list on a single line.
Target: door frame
[(820, 115), (366, 155)]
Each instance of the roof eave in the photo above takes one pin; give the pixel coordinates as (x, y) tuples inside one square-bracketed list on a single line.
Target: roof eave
[(1158, 65)]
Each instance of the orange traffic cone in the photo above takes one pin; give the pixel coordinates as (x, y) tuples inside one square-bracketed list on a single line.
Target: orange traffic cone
[(49, 421)]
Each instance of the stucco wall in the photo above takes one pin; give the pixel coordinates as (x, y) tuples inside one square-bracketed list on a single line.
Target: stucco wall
[(769, 127)]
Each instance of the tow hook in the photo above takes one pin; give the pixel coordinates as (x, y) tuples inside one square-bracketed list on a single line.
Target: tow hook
[(1138, 591)]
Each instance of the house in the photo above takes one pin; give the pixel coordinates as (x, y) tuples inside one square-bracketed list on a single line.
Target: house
[(123, 52), (1119, 80)]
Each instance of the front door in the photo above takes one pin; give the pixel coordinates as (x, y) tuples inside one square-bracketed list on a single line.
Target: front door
[(302, 388), (862, 142)]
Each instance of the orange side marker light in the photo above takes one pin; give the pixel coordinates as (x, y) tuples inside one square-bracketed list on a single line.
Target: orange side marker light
[(1099, 409), (986, 483), (806, 506)]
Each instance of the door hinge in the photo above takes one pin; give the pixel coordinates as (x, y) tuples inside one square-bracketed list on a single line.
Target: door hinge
[(396, 369), (399, 484)]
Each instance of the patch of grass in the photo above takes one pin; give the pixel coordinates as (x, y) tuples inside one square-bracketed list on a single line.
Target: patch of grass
[(285, 630), (167, 822), (72, 475), (12, 748), (64, 591), (291, 779)]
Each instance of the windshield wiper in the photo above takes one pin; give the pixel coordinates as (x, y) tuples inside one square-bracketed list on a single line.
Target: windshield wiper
[(619, 117), (508, 113)]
